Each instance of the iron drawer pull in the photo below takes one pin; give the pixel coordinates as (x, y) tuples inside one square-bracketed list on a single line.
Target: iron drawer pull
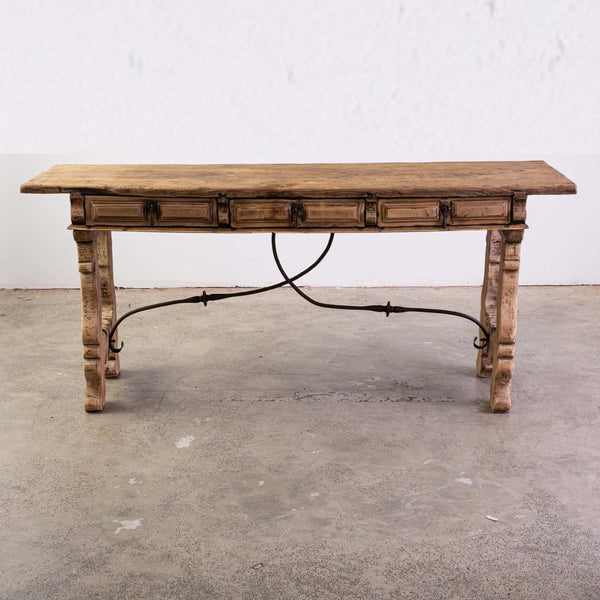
[(444, 209), (297, 213)]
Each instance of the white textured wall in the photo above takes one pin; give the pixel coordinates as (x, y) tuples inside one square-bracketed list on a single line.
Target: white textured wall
[(298, 81)]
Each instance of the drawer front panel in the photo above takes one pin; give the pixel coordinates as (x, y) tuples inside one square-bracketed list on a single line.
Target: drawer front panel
[(110, 210), (347, 213), (289, 214), (261, 213), (409, 212), (286, 213), (177, 212), (492, 210), (427, 212), (128, 211)]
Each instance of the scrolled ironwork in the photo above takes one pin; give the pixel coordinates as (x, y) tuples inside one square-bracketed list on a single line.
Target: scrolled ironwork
[(387, 309)]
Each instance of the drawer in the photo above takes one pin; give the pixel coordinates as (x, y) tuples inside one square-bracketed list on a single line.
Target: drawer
[(144, 212), (115, 210), (410, 212), (427, 212), (260, 213), (332, 213), (488, 210), (192, 212), (288, 214)]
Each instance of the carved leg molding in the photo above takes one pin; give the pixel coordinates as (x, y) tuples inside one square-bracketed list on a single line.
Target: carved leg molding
[(94, 339), (503, 346), (489, 300), (109, 303)]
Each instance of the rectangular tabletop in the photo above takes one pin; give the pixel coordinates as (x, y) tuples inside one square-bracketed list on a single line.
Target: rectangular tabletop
[(466, 179)]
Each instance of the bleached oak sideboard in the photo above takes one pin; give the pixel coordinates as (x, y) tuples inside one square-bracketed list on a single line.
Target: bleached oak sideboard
[(378, 197)]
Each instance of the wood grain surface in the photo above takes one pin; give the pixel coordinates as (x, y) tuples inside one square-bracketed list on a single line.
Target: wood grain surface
[(307, 180)]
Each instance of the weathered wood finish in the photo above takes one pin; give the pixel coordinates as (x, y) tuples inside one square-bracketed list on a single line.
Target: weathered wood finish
[(519, 211), (271, 213), (414, 212), (503, 347), (333, 213), (480, 211), (288, 226), (93, 337), (108, 210), (77, 208), (223, 210), (396, 214), (471, 179), (149, 212), (108, 298), (320, 198), (371, 210), (411, 212), (194, 212), (259, 214), (489, 300)]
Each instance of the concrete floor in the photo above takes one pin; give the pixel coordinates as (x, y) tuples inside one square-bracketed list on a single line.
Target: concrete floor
[(262, 448)]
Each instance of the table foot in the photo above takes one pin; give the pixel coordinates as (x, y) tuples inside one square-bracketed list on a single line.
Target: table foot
[(95, 342), (501, 349), (489, 297), (109, 302)]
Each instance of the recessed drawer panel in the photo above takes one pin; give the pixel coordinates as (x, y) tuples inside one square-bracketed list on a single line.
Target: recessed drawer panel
[(490, 210), (409, 212), (114, 210), (260, 213), (130, 211), (331, 213), (193, 212), (440, 212)]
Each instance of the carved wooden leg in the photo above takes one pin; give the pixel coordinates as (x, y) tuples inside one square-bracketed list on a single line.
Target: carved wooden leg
[(94, 339), (503, 357), (489, 296), (109, 304)]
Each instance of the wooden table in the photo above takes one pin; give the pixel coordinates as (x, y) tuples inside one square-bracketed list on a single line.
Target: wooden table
[(380, 197)]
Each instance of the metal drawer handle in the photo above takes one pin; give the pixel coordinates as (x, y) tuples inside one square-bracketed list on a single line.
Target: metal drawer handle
[(152, 208), (297, 213), (444, 209)]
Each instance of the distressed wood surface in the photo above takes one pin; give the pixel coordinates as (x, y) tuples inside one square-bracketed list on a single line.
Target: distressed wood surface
[(286, 213), (489, 301), (223, 210), (108, 300), (371, 210), (503, 358), (77, 208), (519, 211), (278, 213), (481, 211), (93, 337), (306, 180), (305, 229), (107, 210), (271, 214), (177, 212)]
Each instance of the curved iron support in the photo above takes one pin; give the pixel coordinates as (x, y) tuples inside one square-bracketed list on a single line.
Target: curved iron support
[(111, 341), (206, 298), (386, 308)]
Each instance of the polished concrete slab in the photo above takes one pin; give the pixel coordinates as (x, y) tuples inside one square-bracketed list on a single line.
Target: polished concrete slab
[(262, 448)]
